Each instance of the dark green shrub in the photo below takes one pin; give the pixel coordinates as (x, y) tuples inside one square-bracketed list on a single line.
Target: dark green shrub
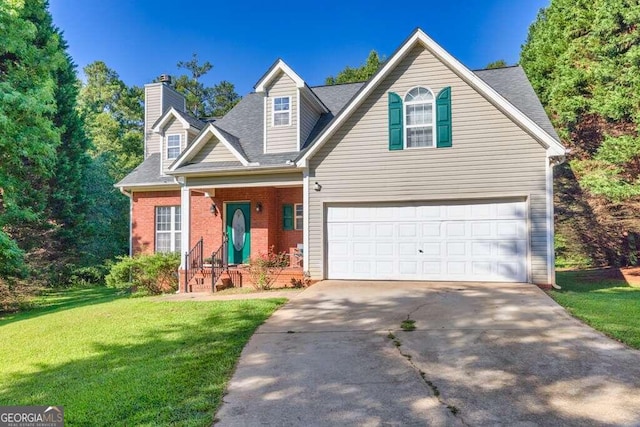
[(145, 274)]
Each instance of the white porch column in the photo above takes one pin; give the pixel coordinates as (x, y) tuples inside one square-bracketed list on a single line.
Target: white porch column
[(305, 218), (185, 212)]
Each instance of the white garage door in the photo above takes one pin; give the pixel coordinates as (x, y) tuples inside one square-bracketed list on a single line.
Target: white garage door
[(453, 242)]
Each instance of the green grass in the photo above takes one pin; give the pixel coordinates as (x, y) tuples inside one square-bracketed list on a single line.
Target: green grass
[(125, 361), (608, 305)]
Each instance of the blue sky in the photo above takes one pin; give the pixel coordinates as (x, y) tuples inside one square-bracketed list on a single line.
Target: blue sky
[(142, 39)]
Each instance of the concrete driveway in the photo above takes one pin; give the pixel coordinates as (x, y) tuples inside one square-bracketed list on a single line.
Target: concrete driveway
[(482, 354)]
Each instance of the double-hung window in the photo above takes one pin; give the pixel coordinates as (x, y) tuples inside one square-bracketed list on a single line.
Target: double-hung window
[(173, 146), (282, 111), (299, 211), (168, 229), (419, 111)]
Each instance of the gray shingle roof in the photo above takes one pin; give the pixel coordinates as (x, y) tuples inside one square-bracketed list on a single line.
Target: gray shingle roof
[(147, 173), (513, 84), (243, 126), (196, 123)]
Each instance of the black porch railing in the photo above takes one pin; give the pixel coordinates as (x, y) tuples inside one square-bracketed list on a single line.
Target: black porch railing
[(219, 262), (194, 263)]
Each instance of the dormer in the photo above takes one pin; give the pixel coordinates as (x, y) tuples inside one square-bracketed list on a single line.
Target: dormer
[(176, 129), (291, 109)]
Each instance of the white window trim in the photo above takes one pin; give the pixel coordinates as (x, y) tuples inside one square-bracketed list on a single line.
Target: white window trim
[(405, 126), (297, 217), (179, 145), (273, 111), (172, 231)]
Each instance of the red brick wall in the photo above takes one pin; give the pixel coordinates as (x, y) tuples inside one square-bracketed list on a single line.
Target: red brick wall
[(205, 224), (266, 226), (291, 238), (144, 217)]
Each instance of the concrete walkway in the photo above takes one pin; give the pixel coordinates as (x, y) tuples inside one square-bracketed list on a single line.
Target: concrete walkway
[(482, 354)]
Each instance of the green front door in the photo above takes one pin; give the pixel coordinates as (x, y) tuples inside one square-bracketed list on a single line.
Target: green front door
[(238, 229)]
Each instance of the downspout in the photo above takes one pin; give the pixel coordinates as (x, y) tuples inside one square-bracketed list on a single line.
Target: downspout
[(130, 196)]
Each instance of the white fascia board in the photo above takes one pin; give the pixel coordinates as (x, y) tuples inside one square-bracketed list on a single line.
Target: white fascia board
[(261, 86), (171, 112), (200, 141), (420, 37)]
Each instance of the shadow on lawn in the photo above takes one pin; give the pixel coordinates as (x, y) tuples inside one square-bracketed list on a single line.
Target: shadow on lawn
[(173, 375), (64, 299), (588, 280)]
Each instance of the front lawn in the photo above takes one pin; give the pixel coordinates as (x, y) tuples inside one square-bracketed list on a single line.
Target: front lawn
[(125, 361), (609, 305)]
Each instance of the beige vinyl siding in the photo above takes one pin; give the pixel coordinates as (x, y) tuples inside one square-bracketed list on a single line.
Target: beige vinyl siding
[(214, 151), (491, 158), (308, 118), (248, 180), (282, 138), (174, 127), (158, 99), (152, 111)]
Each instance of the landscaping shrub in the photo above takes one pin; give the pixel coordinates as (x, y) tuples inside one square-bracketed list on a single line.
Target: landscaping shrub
[(145, 274), (265, 268)]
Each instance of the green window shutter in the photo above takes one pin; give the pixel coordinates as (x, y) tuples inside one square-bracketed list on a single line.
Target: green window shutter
[(287, 217), (443, 118), (395, 122)]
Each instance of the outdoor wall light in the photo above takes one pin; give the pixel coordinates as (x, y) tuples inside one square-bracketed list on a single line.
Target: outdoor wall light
[(259, 207), (317, 187), (213, 209)]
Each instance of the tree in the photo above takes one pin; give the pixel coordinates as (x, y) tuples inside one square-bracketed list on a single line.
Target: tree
[(113, 115), (30, 57), (583, 60), (500, 63), (358, 74), (203, 101)]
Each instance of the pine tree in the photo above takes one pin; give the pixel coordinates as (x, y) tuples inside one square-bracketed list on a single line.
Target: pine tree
[(583, 59), (29, 58)]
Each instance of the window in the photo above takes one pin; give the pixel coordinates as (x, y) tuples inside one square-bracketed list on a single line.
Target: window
[(419, 110), (299, 216), (282, 111), (173, 146), (168, 229), (292, 217)]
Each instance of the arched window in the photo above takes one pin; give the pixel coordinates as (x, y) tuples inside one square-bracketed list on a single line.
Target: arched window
[(418, 113)]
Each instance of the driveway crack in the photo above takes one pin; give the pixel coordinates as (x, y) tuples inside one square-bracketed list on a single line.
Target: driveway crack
[(455, 411)]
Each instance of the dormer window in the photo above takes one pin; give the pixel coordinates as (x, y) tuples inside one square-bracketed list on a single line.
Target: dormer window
[(173, 146), (419, 111), (282, 111)]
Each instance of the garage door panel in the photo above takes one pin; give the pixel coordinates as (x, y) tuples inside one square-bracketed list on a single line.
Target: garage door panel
[(462, 241)]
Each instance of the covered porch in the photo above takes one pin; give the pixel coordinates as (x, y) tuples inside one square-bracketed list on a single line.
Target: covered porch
[(226, 226)]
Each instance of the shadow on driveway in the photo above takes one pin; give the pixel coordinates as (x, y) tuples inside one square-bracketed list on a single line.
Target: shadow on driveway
[(482, 353)]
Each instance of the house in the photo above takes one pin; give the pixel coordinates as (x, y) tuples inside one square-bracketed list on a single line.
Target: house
[(428, 171)]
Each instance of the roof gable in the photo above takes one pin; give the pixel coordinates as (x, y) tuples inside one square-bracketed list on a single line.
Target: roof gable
[(229, 141), (420, 38), (187, 121), (274, 72)]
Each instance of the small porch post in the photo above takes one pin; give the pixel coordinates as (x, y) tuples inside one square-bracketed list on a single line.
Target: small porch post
[(185, 229), (305, 218)]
